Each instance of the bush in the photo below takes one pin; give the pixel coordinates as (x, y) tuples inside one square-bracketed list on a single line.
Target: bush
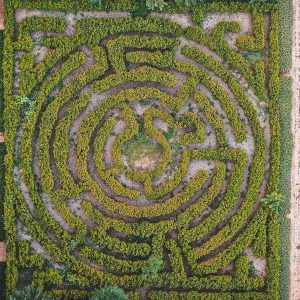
[(109, 293), (152, 269), (30, 293)]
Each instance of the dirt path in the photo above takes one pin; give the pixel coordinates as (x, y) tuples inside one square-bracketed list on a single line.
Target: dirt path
[(2, 252), (295, 176)]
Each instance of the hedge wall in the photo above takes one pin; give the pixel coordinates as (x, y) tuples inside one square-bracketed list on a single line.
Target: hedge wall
[(52, 101)]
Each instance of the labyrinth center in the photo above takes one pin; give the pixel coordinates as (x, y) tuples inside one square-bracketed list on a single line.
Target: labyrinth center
[(146, 139)]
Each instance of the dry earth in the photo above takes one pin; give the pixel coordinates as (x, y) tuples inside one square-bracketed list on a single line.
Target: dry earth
[(2, 252), (1, 137)]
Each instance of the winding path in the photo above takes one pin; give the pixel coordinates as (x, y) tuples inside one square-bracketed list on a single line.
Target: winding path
[(295, 176)]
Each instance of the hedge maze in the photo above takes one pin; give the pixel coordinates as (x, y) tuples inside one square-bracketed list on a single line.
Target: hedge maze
[(131, 138)]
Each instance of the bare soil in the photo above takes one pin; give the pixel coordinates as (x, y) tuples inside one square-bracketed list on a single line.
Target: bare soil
[(244, 20), (259, 263), (2, 252), (2, 139)]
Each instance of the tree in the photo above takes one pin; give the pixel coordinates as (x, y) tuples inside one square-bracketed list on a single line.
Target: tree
[(31, 293), (109, 293), (151, 270), (153, 4), (273, 201)]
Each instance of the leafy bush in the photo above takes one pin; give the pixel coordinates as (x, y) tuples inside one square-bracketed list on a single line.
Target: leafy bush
[(152, 269), (155, 4), (30, 293), (109, 293), (273, 201)]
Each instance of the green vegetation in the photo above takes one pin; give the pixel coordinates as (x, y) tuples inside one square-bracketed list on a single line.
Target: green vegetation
[(117, 90), (96, 2), (273, 201), (109, 293), (31, 293), (152, 269), (285, 183), (155, 4)]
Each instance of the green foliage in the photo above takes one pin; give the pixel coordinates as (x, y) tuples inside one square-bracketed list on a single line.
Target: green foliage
[(254, 56), (273, 201), (187, 2), (30, 293), (96, 2), (285, 182), (169, 133), (258, 1), (109, 293), (25, 100), (146, 233), (156, 4), (152, 269), (2, 190), (285, 34), (28, 104), (252, 270), (2, 280)]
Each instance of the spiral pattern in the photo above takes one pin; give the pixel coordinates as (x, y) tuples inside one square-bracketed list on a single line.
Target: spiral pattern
[(98, 203)]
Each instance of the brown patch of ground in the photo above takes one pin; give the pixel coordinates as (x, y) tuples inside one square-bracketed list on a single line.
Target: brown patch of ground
[(258, 263), (2, 252), (146, 163), (2, 139)]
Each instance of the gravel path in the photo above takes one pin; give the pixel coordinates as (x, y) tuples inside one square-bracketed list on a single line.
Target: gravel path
[(295, 176)]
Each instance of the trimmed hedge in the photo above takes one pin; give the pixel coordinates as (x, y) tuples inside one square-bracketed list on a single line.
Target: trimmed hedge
[(285, 182), (110, 236)]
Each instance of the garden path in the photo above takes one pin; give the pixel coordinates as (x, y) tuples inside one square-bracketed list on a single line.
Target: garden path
[(2, 252)]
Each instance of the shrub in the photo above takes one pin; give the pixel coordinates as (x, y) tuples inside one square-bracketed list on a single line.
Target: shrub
[(152, 269), (109, 293), (30, 293), (155, 4)]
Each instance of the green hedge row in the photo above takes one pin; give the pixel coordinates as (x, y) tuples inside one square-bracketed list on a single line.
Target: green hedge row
[(285, 44), (81, 273), (2, 169), (132, 6), (285, 34), (285, 183), (220, 212)]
